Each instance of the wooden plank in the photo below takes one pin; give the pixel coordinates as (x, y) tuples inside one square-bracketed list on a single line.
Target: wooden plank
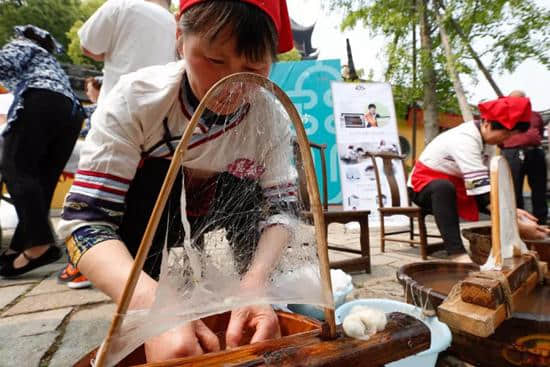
[(489, 293), (478, 320), (356, 264), (403, 336), (483, 292), (401, 240)]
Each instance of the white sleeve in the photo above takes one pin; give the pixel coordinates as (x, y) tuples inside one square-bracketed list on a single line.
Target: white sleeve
[(115, 139), (109, 159), (97, 33), (469, 156)]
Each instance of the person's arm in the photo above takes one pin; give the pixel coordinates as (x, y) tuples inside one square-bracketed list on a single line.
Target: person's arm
[(260, 317), (533, 135), (278, 183), (538, 123), (96, 35), (270, 248), (528, 227), (94, 206), (468, 154), (91, 55), (90, 218)]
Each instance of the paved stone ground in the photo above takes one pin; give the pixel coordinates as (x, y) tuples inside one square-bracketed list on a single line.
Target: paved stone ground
[(43, 323)]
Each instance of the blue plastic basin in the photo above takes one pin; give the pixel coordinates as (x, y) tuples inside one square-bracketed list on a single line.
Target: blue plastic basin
[(440, 334)]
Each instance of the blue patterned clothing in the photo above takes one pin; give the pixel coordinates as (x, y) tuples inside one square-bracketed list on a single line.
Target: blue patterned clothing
[(88, 111), (25, 65)]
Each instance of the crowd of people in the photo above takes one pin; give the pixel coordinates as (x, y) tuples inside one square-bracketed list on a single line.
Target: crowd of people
[(145, 98)]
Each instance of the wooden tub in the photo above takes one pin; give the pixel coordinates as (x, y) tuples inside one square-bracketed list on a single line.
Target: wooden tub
[(480, 244), (291, 324), (523, 340), (302, 345)]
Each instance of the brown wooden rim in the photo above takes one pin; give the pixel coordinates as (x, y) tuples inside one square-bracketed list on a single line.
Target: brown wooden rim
[(406, 280)]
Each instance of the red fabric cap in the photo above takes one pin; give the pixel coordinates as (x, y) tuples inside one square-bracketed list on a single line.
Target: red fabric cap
[(277, 11), (507, 110)]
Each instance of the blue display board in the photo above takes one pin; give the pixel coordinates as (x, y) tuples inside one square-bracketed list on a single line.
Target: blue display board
[(307, 83)]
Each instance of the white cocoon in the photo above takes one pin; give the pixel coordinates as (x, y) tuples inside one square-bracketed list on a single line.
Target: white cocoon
[(363, 322)]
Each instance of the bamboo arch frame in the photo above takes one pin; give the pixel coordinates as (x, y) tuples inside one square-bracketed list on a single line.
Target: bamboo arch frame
[(173, 170)]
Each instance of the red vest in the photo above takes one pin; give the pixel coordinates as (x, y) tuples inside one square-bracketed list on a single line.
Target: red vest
[(467, 205)]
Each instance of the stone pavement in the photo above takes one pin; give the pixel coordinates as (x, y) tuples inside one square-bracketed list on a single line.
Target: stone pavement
[(43, 323)]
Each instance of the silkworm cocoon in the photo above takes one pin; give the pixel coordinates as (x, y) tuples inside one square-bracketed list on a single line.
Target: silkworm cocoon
[(363, 322)]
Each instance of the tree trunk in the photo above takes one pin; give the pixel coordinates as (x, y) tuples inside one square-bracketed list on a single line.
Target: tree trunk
[(431, 127), (474, 54), (451, 68)]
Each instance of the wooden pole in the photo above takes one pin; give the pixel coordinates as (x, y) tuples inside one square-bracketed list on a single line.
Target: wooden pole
[(173, 170), (315, 207), (495, 215)]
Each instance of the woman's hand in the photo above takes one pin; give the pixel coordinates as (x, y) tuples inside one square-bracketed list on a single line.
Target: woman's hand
[(528, 227), (191, 339), (525, 214), (261, 318)]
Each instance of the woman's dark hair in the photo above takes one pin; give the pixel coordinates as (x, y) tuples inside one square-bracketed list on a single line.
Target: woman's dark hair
[(252, 28), (520, 126), (46, 43), (371, 105)]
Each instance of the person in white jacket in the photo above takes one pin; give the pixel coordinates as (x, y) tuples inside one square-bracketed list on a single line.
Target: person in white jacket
[(126, 35), (126, 156)]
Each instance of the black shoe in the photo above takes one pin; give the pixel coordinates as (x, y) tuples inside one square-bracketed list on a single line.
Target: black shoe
[(6, 258), (51, 255)]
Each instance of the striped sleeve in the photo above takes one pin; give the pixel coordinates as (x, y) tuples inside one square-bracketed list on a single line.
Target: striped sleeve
[(109, 158), (97, 197), (477, 182)]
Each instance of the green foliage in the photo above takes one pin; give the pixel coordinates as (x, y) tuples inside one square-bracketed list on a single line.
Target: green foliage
[(505, 32), (87, 8), (56, 16), (292, 55)]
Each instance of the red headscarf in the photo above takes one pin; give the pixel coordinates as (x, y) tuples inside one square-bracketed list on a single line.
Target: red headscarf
[(277, 11), (507, 110)]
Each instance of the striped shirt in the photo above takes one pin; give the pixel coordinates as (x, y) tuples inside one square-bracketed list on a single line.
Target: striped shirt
[(254, 143)]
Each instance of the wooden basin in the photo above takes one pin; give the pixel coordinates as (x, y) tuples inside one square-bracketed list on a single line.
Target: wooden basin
[(523, 340), (302, 345), (290, 324), (480, 244)]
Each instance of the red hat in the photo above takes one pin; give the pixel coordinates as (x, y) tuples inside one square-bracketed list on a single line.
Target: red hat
[(277, 11), (506, 110)]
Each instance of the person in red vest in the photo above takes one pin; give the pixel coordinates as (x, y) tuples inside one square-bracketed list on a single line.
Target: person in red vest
[(525, 156), (451, 177)]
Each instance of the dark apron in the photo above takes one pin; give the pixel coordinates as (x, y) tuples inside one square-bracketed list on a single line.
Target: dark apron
[(213, 203)]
